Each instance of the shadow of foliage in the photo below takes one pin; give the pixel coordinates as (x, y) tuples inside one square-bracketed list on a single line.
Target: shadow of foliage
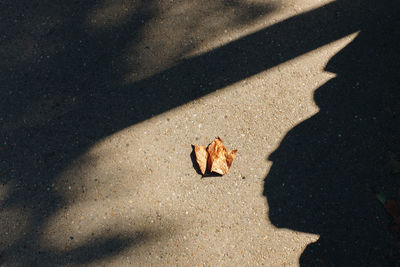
[(61, 92), (328, 169)]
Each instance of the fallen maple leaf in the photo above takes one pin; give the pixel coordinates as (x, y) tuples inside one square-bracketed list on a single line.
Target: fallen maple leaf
[(214, 158), (201, 157)]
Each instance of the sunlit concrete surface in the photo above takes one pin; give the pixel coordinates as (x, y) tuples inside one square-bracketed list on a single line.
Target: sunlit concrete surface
[(182, 29), (140, 183), (133, 195)]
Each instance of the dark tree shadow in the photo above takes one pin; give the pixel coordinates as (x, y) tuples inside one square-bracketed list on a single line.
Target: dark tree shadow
[(61, 91), (327, 170)]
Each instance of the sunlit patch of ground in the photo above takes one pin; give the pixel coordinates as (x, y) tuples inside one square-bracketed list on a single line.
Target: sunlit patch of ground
[(141, 179)]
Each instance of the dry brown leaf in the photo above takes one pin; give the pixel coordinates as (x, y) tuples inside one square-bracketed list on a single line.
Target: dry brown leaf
[(230, 157), (201, 157), (218, 159)]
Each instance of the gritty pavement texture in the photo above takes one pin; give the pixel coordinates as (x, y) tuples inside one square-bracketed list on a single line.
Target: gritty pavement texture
[(102, 100)]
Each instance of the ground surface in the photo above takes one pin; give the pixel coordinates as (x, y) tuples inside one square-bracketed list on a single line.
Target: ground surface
[(102, 100)]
